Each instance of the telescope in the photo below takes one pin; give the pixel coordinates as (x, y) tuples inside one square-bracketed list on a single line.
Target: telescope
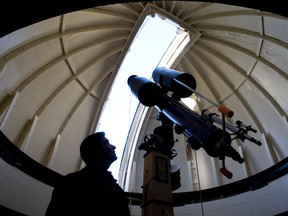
[(201, 131)]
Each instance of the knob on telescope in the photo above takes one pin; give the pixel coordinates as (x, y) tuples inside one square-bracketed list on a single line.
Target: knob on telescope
[(226, 172), (247, 127), (226, 111)]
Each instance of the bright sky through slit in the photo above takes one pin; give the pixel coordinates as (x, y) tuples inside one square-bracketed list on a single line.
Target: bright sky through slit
[(144, 55)]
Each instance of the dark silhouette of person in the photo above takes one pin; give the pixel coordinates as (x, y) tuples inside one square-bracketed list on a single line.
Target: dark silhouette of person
[(92, 190)]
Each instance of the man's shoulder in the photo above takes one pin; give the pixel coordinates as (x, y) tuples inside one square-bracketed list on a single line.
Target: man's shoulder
[(72, 174), (69, 178)]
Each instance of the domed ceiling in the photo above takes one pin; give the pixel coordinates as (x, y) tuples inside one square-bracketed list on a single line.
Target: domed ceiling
[(56, 75)]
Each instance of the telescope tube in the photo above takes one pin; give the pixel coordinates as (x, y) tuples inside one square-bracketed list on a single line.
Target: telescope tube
[(208, 135), (166, 79)]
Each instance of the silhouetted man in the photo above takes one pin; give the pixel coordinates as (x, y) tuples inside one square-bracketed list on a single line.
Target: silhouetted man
[(92, 190)]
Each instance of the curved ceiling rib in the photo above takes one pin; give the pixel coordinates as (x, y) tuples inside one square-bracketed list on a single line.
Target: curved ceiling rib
[(18, 51), (260, 59), (50, 64), (72, 78), (193, 11), (240, 13), (246, 77), (210, 28), (49, 158), (112, 14), (133, 10)]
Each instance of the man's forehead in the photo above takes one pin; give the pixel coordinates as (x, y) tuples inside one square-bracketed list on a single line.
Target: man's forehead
[(104, 140)]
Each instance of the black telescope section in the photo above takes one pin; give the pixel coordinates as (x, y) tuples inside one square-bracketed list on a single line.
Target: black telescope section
[(165, 78), (195, 126), (147, 92)]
